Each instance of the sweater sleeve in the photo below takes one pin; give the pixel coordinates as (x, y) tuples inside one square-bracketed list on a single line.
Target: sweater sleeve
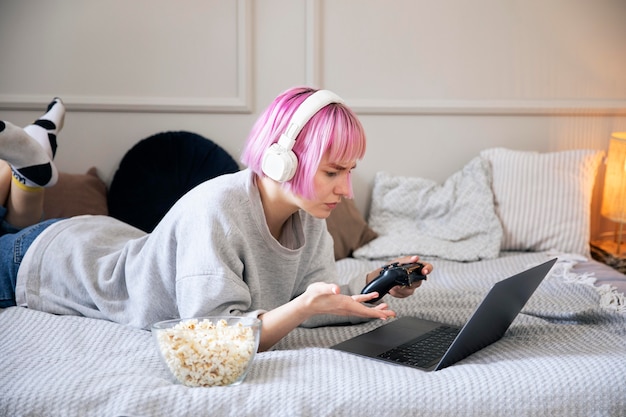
[(209, 280)]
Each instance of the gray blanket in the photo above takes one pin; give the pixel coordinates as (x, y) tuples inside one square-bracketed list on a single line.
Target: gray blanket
[(565, 355)]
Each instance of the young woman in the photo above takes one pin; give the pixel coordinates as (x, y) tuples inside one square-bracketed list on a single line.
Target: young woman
[(250, 243)]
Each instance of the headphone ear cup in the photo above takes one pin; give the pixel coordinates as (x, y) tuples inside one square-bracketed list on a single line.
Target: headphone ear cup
[(279, 163)]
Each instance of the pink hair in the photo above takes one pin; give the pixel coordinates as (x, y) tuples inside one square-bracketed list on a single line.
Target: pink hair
[(334, 129)]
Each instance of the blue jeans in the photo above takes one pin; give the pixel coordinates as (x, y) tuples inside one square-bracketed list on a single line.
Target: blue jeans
[(13, 246)]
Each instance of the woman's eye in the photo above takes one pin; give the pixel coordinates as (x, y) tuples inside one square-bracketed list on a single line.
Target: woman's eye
[(332, 173)]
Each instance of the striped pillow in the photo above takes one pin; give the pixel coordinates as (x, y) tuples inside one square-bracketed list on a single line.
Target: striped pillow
[(544, 199)]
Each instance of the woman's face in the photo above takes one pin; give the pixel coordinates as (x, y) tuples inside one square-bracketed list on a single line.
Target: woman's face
[(331, 183)]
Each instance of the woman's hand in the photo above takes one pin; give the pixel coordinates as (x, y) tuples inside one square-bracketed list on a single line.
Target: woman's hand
[(319, 298), (323, 298), (401, 291)]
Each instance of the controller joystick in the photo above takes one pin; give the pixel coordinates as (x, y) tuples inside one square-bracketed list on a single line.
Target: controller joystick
[(392, 275)]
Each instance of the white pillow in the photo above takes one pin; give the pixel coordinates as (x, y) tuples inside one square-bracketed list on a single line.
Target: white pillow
[(543, 200), (455, 220)]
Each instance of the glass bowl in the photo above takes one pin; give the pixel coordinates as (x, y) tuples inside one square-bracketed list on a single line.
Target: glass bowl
[(208, 351)]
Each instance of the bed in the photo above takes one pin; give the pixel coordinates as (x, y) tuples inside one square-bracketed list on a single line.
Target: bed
[(505, 211)]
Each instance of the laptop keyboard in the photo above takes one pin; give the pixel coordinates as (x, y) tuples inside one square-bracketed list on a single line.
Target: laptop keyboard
[(424, 351)]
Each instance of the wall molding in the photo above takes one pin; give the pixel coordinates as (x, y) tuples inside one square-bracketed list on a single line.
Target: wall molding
[(313, 48), (489, 107), (241, 103), (374, 106)]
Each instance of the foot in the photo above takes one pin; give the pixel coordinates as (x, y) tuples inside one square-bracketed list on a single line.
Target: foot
[(30, 150), (45, 129), (30, 163)]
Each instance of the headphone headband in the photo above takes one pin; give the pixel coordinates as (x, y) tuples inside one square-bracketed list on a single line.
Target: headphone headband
[(309, 107)]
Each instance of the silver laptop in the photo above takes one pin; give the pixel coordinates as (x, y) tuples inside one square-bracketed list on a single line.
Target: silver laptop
[(432, 346)]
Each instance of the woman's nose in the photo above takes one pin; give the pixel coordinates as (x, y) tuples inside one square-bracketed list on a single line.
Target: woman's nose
[(344, 187)]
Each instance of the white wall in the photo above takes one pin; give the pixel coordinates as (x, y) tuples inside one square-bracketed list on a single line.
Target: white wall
[(434, 82)]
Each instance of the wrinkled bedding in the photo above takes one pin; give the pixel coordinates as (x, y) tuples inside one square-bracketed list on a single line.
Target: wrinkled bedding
[(565, 355)]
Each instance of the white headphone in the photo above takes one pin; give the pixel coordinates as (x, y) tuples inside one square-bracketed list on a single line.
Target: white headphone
[(279, 161)]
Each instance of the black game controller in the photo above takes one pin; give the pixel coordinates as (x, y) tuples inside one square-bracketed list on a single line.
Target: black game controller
[(392, 275)]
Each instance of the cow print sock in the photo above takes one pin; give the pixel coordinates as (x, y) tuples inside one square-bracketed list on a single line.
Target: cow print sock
[(30, 150), (30, 163), (44, 130)]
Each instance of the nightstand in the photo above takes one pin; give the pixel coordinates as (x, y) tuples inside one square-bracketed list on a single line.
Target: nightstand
[(605, 251)]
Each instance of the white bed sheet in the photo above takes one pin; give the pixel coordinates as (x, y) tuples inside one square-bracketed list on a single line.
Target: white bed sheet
[(565, 355)]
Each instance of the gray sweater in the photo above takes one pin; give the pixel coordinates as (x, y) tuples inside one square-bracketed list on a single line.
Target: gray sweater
[(212, 254)]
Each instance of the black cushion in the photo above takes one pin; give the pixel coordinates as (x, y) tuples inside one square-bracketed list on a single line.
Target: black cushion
[(158, 170)]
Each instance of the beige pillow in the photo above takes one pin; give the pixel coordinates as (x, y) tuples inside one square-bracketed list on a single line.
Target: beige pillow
[(348, 228), (543, 200), (76, 194)]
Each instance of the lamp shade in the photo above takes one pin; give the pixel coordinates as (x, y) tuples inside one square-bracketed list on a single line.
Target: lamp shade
[(614, 197)]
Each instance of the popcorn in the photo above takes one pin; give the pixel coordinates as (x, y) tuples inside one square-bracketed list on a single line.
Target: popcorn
[(203, 353)]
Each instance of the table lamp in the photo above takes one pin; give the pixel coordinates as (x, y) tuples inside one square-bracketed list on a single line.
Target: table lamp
[(614, 197)]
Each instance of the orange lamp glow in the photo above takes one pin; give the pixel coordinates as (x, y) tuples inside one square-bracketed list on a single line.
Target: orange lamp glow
[(614, 197)]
